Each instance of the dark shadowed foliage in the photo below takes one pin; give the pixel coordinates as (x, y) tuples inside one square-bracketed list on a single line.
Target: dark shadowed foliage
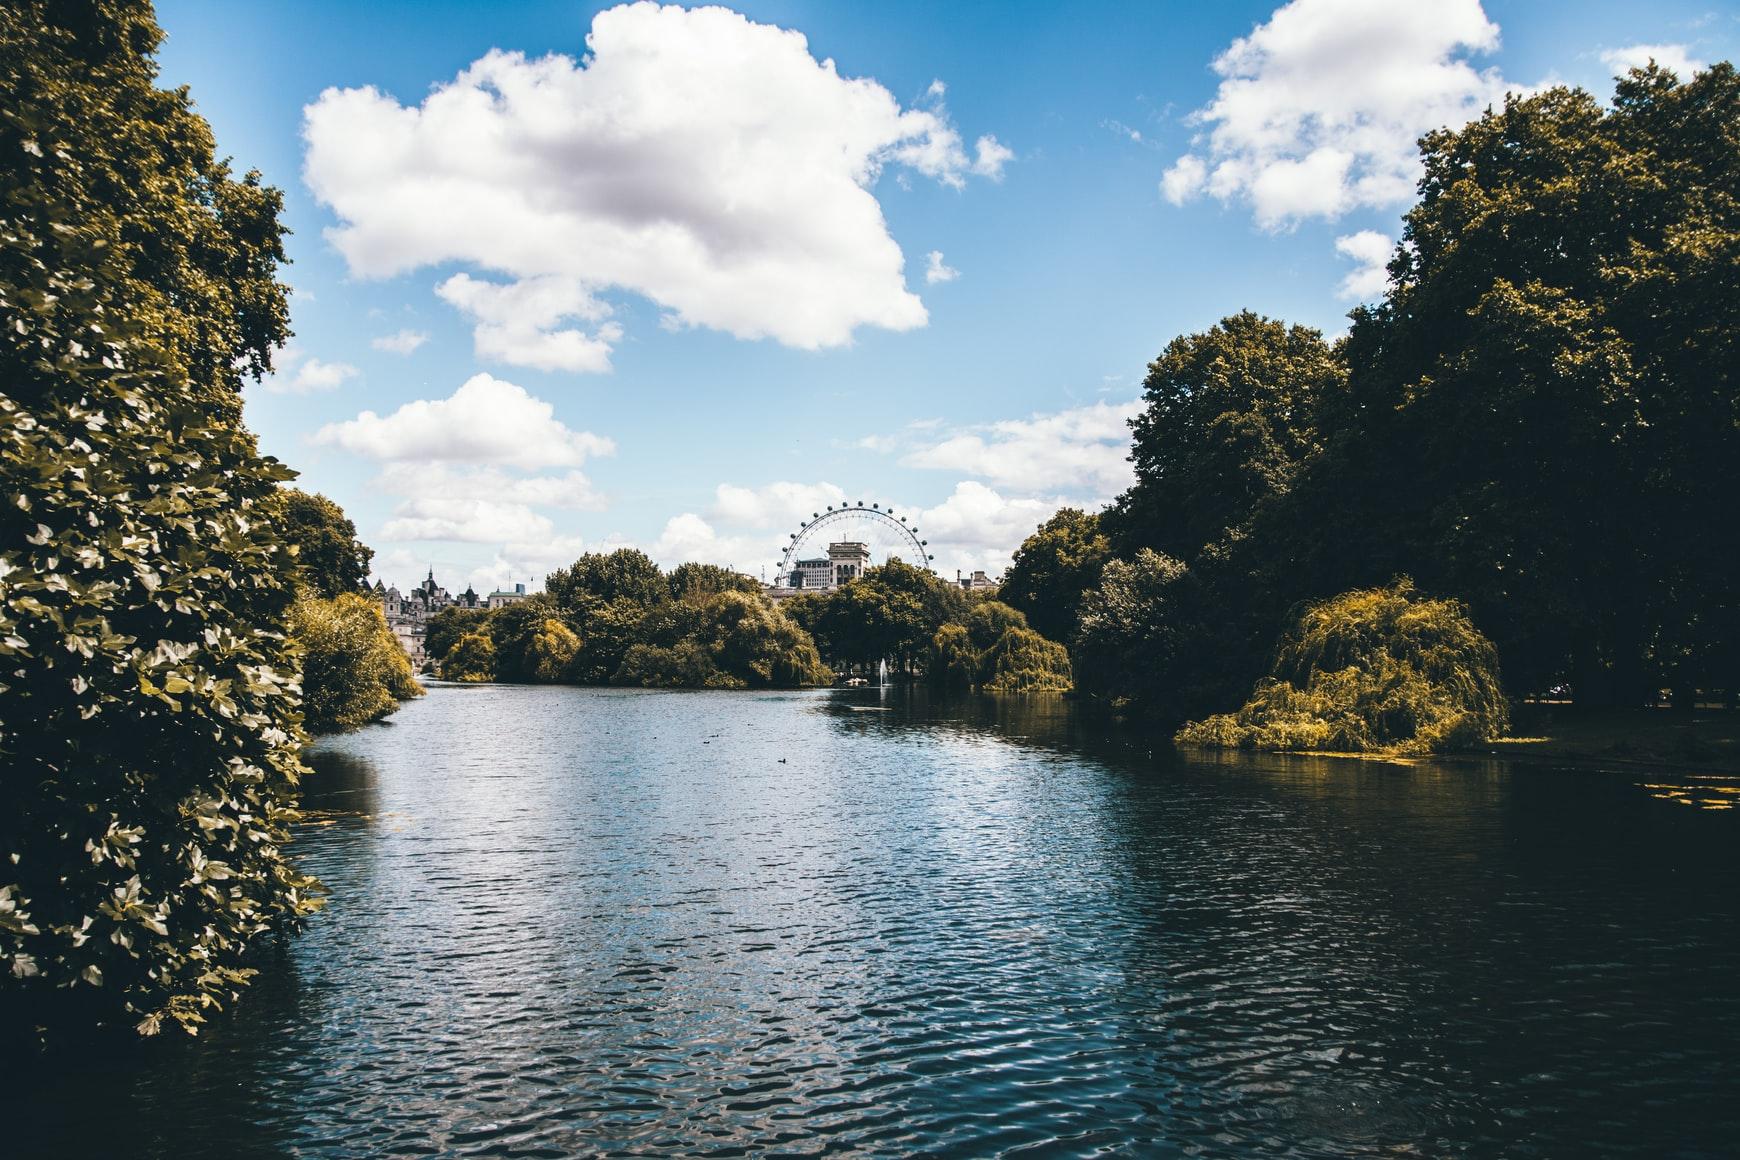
[(1052, 568)]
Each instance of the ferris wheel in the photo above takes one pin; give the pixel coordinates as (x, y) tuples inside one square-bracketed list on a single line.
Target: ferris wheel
[(883, 533)]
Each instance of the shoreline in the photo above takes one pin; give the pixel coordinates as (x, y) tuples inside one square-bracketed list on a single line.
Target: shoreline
[(1706, 742)]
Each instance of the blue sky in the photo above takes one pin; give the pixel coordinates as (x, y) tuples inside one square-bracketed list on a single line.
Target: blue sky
[(684, 293)]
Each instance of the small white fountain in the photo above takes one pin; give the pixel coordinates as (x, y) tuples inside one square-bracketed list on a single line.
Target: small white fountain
[(881, 673)]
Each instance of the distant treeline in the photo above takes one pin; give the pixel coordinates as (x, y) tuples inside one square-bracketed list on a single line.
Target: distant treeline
[(1539, 422), (616, 619)]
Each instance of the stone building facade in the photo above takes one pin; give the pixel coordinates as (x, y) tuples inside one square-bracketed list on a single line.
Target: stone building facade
[(408, 613)]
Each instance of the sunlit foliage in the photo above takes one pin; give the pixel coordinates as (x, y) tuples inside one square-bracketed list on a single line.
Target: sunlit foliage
[(148, 712), (353, 669), (1380, 669), (1022, 661), (472, 658)]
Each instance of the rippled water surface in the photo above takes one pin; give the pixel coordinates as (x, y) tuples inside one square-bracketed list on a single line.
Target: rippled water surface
[(571, 922)]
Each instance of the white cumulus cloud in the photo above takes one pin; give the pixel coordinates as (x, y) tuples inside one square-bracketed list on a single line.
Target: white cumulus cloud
[(1082, 451), (571, 490), (1370, 276), (519, 322), (707, 162), (469, 519), (485, 421), (1677, 57), (687, 538), (935, 271), (977, 527), (294, 372), (1319, 109), (400, 342), (776, 505)]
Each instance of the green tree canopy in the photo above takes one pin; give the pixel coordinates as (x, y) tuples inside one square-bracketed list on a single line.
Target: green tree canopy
[(353, 670), (1543, 414), (598, 578), (1053, 567), (1229, 418), (148, 713), (92, 142), (330, 560), (697, 581)]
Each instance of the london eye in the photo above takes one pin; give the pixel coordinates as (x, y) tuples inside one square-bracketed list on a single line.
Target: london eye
[(883, 533)]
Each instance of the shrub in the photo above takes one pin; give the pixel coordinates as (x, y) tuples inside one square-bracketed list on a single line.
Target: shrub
[(353, 670), (1378, 669)]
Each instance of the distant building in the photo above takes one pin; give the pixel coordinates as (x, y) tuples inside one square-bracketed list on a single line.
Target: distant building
[(846, 561), (501, 597), (977, 582), (408, 613)]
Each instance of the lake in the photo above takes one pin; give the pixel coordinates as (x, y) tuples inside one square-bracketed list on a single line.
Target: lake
[(575, 921)]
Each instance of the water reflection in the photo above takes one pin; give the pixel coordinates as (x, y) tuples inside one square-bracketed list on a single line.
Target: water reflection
[(581, 921)]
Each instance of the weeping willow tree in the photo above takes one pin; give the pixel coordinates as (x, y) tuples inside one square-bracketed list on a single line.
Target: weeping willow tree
[(1022, 661), (1377, 669), (954, 662)]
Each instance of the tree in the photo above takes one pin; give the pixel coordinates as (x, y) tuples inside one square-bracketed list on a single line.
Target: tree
[(1132, 642), (553, 649), (148, 706), (92, 143), (353, 670), (1377, 669), (472, 658), (330, 560), (1053, 567), (889, 613), (1022, 661), (446, 627), (697, 581), (1541, 414), (606, 635), (759, 645), (954, 662), (515, 630), (598, 578), (989, 620), (1229, 418)]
